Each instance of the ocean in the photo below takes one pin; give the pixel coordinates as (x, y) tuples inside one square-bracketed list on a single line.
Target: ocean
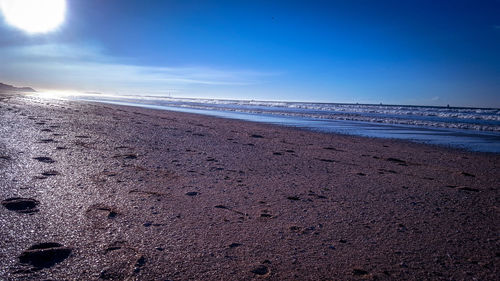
[(474, 129)]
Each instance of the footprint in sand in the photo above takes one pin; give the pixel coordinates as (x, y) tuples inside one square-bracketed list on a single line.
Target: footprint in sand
[(5, 157), (101, 211), (466, 188), (385, 171), (256, 136), (47, 140), (397, 161), (234, 245), (463, 188), (359, 272), (121, 262), (50, 173), (128, 156), (45, 255), (146, 194), (230, 209), (21, 205), (326, 160), (332, 148), (465, 174), (44, 159), (261, 270)]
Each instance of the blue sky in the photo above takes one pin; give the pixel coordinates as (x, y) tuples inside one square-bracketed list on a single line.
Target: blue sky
[(394, 52)]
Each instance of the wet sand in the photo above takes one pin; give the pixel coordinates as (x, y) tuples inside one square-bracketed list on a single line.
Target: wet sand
[(101, 192)]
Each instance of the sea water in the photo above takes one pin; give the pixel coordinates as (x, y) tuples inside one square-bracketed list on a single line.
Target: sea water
[(475, 129)]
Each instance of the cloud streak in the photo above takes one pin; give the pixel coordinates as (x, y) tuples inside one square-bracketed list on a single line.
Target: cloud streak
[(87, 68)]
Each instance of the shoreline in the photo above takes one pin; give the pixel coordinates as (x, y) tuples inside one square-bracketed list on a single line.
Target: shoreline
[(468, 139), (304, 129), (144, 194)]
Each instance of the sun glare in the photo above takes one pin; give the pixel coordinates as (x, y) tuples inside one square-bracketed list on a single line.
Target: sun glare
[(34, 16)]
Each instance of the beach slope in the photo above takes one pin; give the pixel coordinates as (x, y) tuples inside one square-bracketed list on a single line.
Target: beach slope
[(102, 192)]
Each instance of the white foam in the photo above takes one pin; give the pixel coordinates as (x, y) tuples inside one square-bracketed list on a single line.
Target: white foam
[(424, 116)]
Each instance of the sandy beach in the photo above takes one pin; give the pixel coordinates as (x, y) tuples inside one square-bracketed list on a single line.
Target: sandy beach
[(103, 192)]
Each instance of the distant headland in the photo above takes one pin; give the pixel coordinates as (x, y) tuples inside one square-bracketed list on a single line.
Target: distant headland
[(10, 88)]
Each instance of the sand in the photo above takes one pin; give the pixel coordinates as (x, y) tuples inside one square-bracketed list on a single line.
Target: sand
[(93, 191)]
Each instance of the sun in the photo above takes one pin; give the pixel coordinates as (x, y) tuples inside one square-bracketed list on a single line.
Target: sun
[(34, 16)]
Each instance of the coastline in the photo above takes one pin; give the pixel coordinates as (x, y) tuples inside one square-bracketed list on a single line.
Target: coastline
[(146, 194), (420, 126)]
